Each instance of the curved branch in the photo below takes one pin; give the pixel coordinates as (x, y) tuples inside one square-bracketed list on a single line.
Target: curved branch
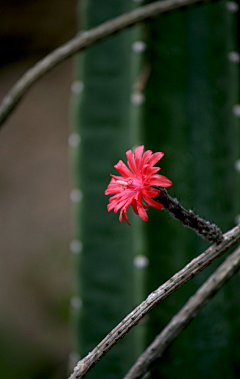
[(203, 228), (81, 42), (188, 272), (190, 310)]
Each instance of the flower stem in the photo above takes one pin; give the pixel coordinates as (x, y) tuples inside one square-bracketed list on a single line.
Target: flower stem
[(203, 228)]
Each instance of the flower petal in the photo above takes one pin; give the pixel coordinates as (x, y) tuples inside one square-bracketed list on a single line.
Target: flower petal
[(124, 171), (131, 162), (155, 158), (134, 206), (152, 192), (116, 177), (150, 171), (113, 189), (119, 205), (124, 211), (142, 213), (153, 203), (125, 216), (160, 180), (110, 206), (138, 156), (146, 157)]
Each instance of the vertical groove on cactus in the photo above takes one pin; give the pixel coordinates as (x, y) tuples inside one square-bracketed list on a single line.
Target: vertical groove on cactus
[(137, 100), (167, 129), (188, 116), (236, 106), (212, 88), (101, 114)]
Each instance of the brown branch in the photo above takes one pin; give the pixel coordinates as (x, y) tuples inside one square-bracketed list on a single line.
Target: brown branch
[(190, 310), (81, 42), (207, 231), (188, 272)]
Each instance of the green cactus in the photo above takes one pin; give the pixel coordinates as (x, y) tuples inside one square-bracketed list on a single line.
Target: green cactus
[(188, 116), (106, 281)]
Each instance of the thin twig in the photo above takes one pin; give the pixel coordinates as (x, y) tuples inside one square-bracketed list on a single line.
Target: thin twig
[(188, 272), (81, 42), (190, 310), (207, 231)]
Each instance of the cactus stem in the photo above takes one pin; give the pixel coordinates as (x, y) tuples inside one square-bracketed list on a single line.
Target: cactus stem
[(203, 228)]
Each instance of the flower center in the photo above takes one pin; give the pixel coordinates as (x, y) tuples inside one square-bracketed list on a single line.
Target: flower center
[(131, 184)]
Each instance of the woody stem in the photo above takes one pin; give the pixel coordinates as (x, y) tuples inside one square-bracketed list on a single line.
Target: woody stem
[(203, 228)]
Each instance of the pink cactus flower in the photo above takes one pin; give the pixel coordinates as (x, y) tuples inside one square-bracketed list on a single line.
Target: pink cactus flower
[(136, 184)]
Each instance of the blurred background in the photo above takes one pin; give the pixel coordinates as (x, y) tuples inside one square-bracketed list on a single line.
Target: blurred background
[(35, 283)]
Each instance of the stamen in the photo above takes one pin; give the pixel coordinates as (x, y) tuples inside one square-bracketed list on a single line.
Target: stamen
[(121, 182)]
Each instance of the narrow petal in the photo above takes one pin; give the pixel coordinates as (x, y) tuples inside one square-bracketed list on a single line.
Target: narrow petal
[(131, 162), (150, 171), (123, 204), (155, 158), (142, 213), (138, 156), (116, 177), (138, 197), (134, 206), (116, 197), (113, 189), (153, 203), (124, 210), (125, 216), (150, 193), (110, 206), (124, 171), (124, 197), (119, 205), (146, 157), (120, 216), (160, 180)]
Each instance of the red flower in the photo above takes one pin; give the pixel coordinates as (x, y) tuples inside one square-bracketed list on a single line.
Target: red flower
[(136, 184)]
